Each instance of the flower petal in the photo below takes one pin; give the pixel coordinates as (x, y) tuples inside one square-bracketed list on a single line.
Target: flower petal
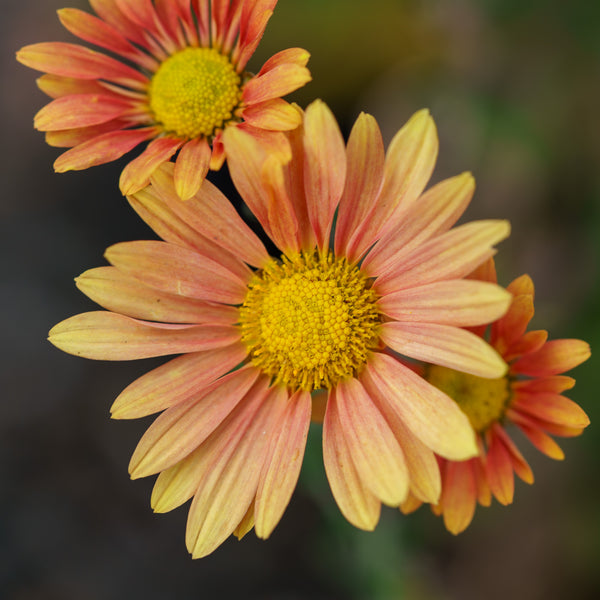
[(458, 302), (191, 167), (444, 345), (175, 381), (499, 468), (296, 56), (431, 415), (282, 463), (556, 356), (177, 270), (104, 335), (275, 115), (459, 497), (553, 408), (279, 81), (182, 428)]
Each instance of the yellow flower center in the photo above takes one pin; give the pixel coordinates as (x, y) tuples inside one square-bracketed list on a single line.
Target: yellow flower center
[(195, 92), (309, 321), (484, 401)]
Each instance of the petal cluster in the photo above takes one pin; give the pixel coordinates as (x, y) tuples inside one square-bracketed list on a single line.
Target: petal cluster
[(101, 109), (227, 437)]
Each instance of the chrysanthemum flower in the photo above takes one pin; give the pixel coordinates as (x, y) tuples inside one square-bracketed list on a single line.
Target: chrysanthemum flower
[(528, 397), (259, 335), (179, 82)]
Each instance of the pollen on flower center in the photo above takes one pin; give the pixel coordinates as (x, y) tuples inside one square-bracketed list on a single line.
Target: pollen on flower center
[(309, 321), (194, 92), (484, 401)]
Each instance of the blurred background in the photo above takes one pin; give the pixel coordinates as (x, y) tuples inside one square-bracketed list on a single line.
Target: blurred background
[(514, 87)]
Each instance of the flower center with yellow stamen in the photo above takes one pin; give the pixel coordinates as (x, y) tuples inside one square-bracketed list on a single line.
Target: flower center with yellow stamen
[(309, 321), (195, 92), (484, 401)]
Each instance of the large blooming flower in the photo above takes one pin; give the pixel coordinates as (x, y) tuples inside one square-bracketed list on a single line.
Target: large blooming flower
[(528, 397), (180, 85), (319, 318)]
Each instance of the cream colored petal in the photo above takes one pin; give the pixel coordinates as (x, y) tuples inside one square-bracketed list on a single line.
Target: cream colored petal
[(191, 167)]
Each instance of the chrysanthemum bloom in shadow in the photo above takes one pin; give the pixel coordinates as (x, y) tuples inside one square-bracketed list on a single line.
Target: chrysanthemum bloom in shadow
[(180, 84), (528, 397), (318, 319)]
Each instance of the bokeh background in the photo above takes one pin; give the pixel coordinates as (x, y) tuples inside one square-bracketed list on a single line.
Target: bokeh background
[(514, 87)]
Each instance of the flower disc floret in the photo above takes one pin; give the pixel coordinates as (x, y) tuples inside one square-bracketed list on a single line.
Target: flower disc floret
[(195, 92), (310, 321), (484, 401)]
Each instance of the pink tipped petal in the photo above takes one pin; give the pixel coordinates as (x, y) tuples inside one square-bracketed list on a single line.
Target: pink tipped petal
[(72, 60), (556, 356), (101, 149), (81, 110), (499, 468), (136, 175), (431, 415), (109, 11), (376, 453), (553, 408), (444, 345), (435, 212), (277, 82), (175, 381), (460, 495), (228, 488), (191, 167), (213, 216), (176, 270), (452, 255), (282, 463), (275, 115), (459, 302), (183, 427), (122, 294), (359, 505), (107, 336), (364, 176), (324, 168)]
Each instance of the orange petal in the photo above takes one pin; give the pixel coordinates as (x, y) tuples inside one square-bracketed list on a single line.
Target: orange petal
[(175, 381), (555, 357), (436, 211), (554, 384), (122, 294), (444, 345), (67, 138), (553, 408), (176, 270), (104, 335), (544, 443), (277, 82), (499, 468), (191, 167), (520, 465), (254, 18), (513, 325), (211, 214), (282, 463), (136, 175), (410, 505), (275, 115), (360, 506), (364, 176), (376, 453), (459, 496), (324, 168), (183, 427), (459, 302), (56, 86), (431, 415), (296, 56)]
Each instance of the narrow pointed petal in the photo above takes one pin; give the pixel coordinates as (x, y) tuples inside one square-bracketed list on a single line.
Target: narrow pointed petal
[(528, 343), (136, 175), (182, 428), (359, 505), (122, 294), (514, 324), (431, 415), (554, 384), (519, 464), (553, 408), (364, 176), (544, 443), (460, 302), (254, 18), (174, 270), (246, 524), (104, 335), (175, 381), (499, 469), (101, 149), (279, 81), (228, 488), (275, 114), (444, 345), (282, 463), (68, 138), (56, 86), (460, 495), (556, 356), (191, 167), (324, 168), (109, 11)]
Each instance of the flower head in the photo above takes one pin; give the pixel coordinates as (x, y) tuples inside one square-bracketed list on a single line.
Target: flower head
[(528, 397), (179, 83), (258, 335)]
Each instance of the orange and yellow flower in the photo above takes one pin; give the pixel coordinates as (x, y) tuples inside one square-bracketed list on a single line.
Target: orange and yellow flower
[(259, 335), (179, 85), (528, 397)]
